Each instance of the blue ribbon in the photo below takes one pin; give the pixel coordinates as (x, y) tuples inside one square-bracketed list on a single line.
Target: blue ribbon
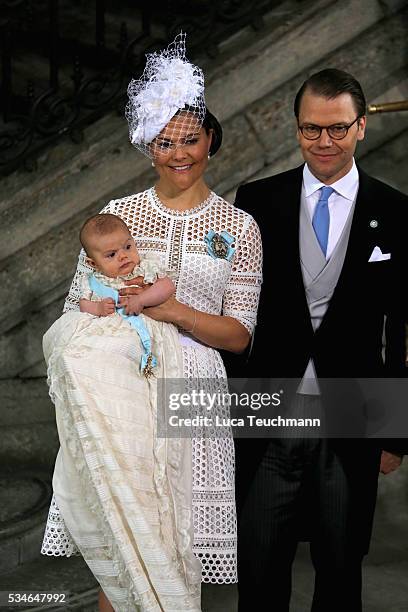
[(148, 360)]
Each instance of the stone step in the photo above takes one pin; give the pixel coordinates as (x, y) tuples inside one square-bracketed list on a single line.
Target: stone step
[(25, 402), (317, 30), (25, 499), (52, 196), (23, 344), (23, 445), (27, 421), (54, 575)]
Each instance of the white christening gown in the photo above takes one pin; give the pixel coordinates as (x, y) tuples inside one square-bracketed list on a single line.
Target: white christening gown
[(209, 284)]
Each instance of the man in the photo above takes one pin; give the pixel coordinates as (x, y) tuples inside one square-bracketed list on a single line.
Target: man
[(335, 269)]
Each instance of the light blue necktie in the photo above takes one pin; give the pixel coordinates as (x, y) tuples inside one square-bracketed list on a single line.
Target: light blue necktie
[(321, 218)]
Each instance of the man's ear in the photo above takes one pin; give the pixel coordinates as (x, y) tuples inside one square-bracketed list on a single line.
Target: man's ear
[(90, 262), (297, 131), (362, 122)]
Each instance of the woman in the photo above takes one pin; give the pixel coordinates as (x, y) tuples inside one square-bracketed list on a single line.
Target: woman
[(214, 251)]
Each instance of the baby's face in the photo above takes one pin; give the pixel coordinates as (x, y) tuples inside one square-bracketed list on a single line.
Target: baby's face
[(114, 254)]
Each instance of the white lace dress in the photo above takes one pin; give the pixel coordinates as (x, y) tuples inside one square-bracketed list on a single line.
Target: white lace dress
[(212, 285)]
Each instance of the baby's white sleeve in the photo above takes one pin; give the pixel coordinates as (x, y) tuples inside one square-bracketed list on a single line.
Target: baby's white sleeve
[(152, 268), (86, 292)]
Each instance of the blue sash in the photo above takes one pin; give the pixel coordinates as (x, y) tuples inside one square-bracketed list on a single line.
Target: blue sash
[(148, 361)]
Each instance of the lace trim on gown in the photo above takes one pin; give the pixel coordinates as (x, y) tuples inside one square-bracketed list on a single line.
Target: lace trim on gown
[(57, 540)]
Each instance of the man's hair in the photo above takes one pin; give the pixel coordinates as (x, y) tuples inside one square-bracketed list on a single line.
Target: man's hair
[(100, 225), (331, 83)]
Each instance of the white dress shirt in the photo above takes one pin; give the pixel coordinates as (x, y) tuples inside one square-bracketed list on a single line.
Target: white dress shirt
[(340, 202)]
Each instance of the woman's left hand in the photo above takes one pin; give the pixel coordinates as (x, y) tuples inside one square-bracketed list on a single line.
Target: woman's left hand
[(135, 287), (215, 330), (167, 311)]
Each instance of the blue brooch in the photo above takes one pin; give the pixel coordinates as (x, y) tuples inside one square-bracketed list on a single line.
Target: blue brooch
[(219, 246)]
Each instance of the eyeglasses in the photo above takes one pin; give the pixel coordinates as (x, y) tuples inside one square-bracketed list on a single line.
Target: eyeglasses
[(337, 131)]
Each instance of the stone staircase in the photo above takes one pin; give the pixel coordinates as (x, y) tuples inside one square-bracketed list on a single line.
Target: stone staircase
[(250, 86), (22, 516)]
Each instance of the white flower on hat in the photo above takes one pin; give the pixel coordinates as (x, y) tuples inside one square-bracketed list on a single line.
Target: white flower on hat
[(169, 83)]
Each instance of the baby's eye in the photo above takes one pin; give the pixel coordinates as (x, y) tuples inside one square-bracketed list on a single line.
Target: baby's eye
[(111, 254), (128, 247)]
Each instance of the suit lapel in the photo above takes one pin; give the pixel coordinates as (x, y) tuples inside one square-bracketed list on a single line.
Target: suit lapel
[(290, 219)]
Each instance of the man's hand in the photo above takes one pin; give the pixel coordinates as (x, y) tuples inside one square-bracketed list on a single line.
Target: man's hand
[(389, 462)]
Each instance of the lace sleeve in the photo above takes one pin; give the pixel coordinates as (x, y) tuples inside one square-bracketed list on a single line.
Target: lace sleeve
[(242, 291), (72, 299)]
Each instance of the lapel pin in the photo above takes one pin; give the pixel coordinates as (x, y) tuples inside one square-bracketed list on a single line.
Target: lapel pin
[(374, 223)]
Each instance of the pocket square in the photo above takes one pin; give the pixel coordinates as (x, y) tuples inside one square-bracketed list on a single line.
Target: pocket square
[(377, 255)]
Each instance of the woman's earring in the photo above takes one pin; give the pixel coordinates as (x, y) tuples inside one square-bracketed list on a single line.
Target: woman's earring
[(209, 155), (153, 164)]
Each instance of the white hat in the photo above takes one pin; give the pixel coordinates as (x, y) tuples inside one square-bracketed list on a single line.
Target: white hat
[(169, 84)]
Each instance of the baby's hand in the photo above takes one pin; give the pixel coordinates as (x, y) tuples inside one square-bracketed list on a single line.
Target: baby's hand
[(106, 307)]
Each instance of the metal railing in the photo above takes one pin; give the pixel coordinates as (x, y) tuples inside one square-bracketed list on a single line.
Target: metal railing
[(78, 75), (388, 107)]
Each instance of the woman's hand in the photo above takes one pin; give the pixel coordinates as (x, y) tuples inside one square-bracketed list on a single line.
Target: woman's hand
[(214, 330), (154, 300), (128, 296), (168, 311)]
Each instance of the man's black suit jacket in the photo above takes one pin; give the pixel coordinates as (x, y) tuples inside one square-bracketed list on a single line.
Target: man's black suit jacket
[(349, 341)]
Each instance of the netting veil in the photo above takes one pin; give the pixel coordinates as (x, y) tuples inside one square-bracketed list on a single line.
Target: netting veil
[(166, 106)]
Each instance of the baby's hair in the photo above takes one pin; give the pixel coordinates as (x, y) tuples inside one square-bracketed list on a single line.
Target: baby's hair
[(100, 225)]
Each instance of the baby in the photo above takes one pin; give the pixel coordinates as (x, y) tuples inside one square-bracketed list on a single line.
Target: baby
[(112, 252), (115, 480)]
